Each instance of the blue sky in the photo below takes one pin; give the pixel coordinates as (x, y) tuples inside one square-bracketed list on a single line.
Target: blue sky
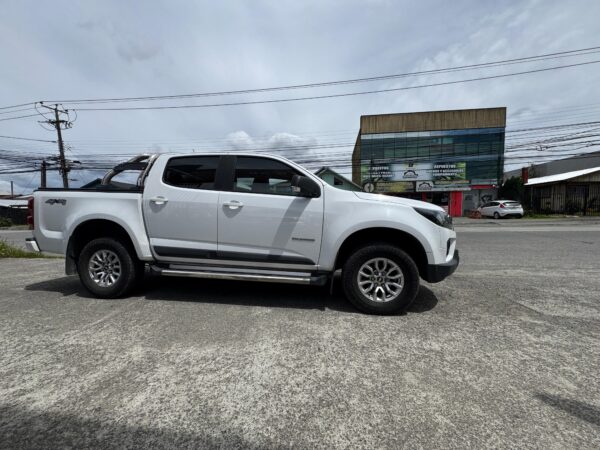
[(66, 50)]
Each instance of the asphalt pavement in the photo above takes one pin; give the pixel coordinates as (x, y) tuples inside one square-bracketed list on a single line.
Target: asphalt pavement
[(503, 354)]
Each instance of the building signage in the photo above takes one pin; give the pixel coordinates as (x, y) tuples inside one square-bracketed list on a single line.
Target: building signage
[(424, 186), (430, 186), (412, 171), (395, 186), (450, 171), (415, 176)]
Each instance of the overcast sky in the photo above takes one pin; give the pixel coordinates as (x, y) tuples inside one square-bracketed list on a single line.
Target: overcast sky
[(67, 50)]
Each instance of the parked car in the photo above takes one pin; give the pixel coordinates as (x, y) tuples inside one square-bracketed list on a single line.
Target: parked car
[(243, 217), (501, 208)]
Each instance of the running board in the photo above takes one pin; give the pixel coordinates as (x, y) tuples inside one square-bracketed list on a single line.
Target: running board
[(223, 275)]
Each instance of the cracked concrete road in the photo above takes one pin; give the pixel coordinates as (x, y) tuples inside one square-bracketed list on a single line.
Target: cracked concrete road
[(504, 354)]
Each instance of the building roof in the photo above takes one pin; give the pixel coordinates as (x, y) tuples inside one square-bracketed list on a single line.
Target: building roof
[(456, 119), (561, 176), (326, 169)]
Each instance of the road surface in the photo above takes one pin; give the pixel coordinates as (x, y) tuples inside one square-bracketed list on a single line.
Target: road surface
[(502, 354)]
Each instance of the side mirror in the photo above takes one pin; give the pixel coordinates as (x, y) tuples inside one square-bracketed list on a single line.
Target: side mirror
[(305, 186)]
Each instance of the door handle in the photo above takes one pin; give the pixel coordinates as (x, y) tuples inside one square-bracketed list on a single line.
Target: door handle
[(233, 204), (159, 200)]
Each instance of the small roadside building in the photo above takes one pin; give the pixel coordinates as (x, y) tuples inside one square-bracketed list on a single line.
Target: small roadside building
[(333, 178), (14, 209), (575, 192)]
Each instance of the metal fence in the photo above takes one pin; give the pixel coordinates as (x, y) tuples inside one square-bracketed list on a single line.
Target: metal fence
[(564, 198)]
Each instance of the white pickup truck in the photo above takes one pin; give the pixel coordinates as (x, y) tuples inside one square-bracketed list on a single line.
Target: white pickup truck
[(242, 217)]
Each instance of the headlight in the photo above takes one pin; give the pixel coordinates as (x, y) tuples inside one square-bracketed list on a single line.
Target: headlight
[(440, 218)]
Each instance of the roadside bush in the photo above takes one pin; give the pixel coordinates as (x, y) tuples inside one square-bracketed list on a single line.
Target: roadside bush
[(512, 189), (4, 222)]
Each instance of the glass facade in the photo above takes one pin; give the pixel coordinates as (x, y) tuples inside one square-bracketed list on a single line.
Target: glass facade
[(449, 160)]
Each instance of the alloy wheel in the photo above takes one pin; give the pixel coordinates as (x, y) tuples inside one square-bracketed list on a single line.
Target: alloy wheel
[(380, 280), (104, 268)]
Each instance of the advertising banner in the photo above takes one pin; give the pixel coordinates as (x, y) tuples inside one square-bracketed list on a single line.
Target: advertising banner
[(414, 176), (412, 171), (395, 186), (450, 176), (450, 173)]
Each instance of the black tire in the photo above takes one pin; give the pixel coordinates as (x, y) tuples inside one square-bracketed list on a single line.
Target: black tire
[(496, 215), (350, 275), (131, 270)]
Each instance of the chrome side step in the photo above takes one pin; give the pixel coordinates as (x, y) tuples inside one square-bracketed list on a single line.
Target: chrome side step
[(224, 275)]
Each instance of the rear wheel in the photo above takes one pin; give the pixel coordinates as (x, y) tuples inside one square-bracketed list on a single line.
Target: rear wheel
[(107, 268), (380, 279), (496, 215)]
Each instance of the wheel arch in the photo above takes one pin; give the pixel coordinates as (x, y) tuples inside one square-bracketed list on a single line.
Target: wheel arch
[(401, 239), (91, 229)]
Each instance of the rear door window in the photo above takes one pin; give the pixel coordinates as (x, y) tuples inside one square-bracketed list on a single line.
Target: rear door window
[(192, 172)]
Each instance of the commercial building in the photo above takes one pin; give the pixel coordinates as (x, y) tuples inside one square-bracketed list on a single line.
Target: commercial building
[(451, 158)]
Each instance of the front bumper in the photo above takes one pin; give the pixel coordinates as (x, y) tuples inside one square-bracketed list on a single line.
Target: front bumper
[(32, 245), (437, 272)]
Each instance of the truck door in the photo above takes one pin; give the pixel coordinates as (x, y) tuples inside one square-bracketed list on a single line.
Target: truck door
[(180, 208), (263, 221)]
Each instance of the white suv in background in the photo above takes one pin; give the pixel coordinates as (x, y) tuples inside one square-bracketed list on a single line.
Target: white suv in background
[(501, 208)]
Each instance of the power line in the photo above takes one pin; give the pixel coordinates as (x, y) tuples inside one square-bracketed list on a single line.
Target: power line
[(568, 53), (347, 94), (18, 117), (17, 106), (27, 139), (17, 110), (345, 164), (19, 160)]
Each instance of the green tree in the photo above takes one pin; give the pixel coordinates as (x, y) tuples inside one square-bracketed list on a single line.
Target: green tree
[(512, 189)]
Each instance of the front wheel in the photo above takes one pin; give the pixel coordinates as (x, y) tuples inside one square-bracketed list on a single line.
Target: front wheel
[(380, 279), (107, 268), (496, 215)]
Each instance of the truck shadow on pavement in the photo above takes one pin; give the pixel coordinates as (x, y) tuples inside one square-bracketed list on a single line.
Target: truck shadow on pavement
[(24, 428), (580, 410), (234, 293)]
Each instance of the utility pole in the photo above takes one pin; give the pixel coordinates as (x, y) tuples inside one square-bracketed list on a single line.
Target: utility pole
[(58, 124), (61, 150), (12, 191), (43, 174)]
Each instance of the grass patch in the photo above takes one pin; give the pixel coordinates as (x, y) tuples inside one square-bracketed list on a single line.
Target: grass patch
[(15, 227), (10, 251)]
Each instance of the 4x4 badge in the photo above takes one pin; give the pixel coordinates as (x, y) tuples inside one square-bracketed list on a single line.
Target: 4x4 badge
[(53, 201)]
